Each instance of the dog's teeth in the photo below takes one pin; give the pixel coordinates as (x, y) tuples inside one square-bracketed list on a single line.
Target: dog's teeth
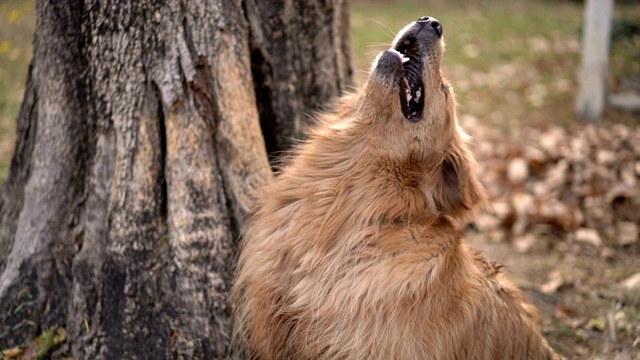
[(397, 53), (418, 93), (407, 90), (405, 59)]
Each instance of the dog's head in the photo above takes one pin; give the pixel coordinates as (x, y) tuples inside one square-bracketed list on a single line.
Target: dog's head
[(411, 108)]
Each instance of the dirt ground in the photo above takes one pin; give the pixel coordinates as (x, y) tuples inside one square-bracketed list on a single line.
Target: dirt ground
[(588, 317), (566, 213)]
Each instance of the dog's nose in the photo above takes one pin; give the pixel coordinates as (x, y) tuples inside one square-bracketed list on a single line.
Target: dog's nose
[(435, 24)]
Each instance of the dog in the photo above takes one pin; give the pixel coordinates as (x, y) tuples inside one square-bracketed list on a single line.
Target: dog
[(354, 250)]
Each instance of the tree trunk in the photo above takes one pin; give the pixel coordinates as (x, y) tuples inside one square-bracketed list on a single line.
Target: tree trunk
[(138, 153), (296, 47)]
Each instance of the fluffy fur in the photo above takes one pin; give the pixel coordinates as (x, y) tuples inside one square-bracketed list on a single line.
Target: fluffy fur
[(353, 251)]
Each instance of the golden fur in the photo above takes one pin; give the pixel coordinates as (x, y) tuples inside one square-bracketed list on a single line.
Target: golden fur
[(353, 251)]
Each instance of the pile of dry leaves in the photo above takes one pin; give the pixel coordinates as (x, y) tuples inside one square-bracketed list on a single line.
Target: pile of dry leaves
[(568, 186), (573, 194)]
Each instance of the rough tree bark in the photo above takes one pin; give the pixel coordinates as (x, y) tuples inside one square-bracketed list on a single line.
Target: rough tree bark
[(296, 46), (138, 153)]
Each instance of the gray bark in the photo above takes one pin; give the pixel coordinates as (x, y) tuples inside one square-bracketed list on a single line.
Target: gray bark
[(138, 153), (296, 47)]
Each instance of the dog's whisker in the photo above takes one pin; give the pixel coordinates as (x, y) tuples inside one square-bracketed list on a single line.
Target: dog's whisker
[(383, 27)]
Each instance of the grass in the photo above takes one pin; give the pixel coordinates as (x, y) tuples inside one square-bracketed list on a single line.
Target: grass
[(16, 33)]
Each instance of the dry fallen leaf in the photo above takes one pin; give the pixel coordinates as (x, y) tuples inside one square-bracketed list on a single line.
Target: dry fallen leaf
[(627, 233), (588, 236), (631, 283), (556, 280), (582, 183), (518, 170)]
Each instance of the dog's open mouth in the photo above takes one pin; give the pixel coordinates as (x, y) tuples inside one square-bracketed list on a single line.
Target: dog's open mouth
[(416, 44), (411, 84)]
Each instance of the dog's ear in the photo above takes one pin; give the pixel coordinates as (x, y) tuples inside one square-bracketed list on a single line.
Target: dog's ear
[(458, 190)]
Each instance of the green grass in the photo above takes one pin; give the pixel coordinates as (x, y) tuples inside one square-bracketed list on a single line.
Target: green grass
[(496, 28), (17, 19)]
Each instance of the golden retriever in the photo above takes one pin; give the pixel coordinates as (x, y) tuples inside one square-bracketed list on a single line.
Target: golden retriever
[(353, 251)]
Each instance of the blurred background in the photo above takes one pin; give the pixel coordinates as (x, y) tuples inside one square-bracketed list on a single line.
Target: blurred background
[(512, 62), (565, 195), (17, 24)]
